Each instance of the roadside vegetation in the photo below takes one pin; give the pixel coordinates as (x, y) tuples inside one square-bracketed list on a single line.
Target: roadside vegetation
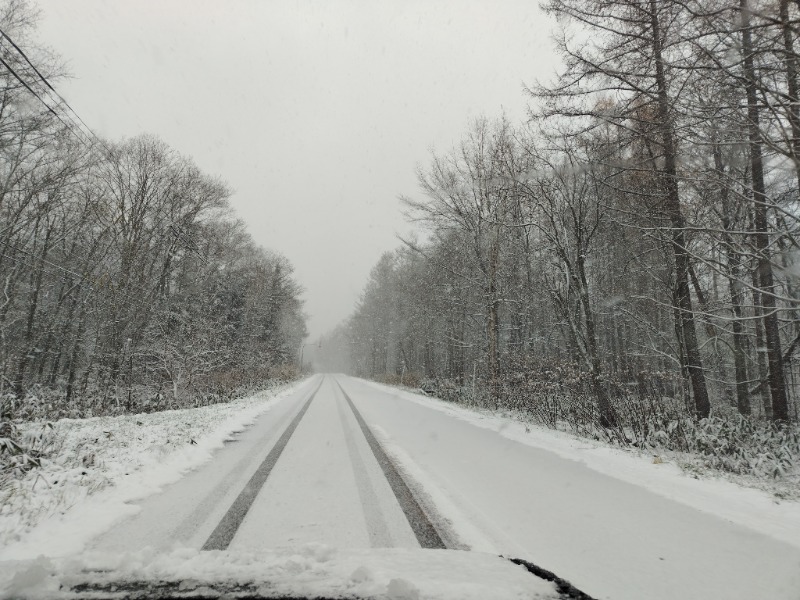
[(127, 284), (623, 264)]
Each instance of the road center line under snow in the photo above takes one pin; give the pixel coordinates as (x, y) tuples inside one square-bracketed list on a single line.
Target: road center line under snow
[(222, 535), (426, 534)]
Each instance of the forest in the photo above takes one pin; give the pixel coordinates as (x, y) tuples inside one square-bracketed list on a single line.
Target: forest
[(626, 259), (128, 284)]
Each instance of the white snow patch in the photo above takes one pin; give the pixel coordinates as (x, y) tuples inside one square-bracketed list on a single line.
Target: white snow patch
[(748, 507)]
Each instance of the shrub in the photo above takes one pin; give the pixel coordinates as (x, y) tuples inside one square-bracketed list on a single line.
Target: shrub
[(19, 454)]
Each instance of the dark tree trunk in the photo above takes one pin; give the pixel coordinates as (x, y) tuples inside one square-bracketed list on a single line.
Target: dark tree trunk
[(607, 416), (777, 383), (791, 83), (760, 354), (734, 272), (683, 299), (26, 345), (739, 358), (492, 318)]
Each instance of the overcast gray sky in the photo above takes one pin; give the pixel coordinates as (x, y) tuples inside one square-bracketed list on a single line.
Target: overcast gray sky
[(315, 113)]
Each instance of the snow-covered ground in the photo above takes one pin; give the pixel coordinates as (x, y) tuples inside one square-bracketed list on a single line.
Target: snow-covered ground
[(98, 466), (613, 523)]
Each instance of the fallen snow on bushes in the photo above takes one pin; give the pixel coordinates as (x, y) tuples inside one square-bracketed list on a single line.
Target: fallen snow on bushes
[(753, 508), (96, 466), (310, 571)]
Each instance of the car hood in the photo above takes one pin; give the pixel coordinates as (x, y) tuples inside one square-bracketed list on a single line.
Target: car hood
[(310, 571)]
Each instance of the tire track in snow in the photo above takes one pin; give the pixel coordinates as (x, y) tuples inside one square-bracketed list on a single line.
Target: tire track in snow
[(379, 535), (222, 535), (423, 529)]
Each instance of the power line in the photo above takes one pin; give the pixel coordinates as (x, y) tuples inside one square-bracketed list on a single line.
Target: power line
[(47, 83), (80, 133), (43, 78), (47, 106), (176, 229)]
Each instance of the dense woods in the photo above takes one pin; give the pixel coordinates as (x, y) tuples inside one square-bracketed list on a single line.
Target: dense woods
[(628, 256), (127, 283)]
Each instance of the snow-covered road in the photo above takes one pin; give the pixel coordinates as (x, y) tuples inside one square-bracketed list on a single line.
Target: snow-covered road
[(480, 490), (609, 538), (325, 486)]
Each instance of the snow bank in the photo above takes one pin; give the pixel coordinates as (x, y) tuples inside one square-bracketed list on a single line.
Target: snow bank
[(311, 570), (98, 465), (748, 507)]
